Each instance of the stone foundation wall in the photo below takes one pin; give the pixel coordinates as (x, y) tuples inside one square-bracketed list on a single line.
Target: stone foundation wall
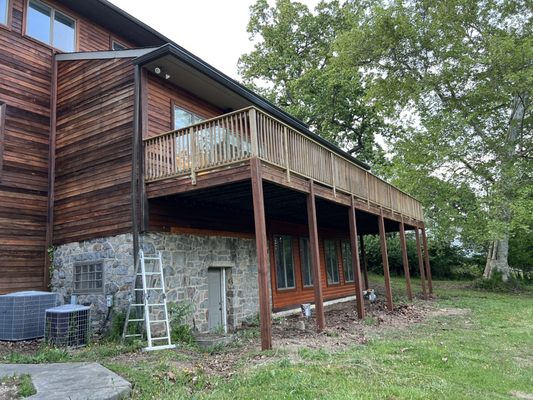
[(186, 259)]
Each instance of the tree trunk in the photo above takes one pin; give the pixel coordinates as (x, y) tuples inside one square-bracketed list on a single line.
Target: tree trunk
[(497, 259)]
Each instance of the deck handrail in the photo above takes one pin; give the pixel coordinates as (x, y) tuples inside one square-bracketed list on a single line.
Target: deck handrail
[(240, 135)]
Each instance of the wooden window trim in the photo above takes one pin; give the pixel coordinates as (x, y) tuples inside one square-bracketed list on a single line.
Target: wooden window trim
[(176, 104), (3, 109), (61, 10), (9, 19)]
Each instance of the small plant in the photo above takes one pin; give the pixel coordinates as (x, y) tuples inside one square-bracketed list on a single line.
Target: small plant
[(496, 284), (180, 331), (22, 383)]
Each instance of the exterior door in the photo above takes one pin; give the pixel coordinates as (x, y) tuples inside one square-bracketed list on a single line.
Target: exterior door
[(215, 296)]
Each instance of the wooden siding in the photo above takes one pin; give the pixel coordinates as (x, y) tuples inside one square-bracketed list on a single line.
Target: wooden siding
[(93, 149), (161, 97), (25, 76)]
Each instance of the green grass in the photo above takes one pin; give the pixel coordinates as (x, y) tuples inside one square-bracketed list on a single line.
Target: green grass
[(22, 383), (476, 345)]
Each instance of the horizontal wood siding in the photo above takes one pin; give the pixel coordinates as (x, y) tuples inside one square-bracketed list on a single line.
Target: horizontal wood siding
[(25, 75), (93, 149), (162, 95)]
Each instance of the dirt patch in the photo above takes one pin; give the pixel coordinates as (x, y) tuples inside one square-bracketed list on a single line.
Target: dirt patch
[(450, 312), (524, 362), (9, 390), (27, 347)]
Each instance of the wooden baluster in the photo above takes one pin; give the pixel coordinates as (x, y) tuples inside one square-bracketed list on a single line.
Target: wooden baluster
[(192, 139), (253, 133)]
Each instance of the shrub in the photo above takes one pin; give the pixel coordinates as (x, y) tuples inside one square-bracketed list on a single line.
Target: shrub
[(180, 330), (496, 284)]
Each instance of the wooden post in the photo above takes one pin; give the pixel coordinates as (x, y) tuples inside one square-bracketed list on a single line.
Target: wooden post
[(355, 261), (385, 258), (194, 155), (426, 254), (262, 257), (315, 258), (405, 260), (421, 264), (365, 261), (253, 132)]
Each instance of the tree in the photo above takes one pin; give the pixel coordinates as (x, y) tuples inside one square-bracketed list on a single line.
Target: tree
[(463, 70), (292, 66), (447, 83)]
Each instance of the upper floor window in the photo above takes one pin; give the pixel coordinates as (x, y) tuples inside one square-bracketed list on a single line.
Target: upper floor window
[(183, 118), (116, 46), (50, 26), (4, 11), (332, 262), (305, 261), (284, 262), (347, 261)]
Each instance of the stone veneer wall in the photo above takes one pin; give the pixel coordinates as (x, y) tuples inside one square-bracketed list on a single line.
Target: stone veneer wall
[(186, 259)]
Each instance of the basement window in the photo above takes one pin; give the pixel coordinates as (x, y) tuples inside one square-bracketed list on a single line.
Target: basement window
[(305, 261), (50, 26), (284, 262), (89, 277), (3, 11), (347, 264), (332, 262)]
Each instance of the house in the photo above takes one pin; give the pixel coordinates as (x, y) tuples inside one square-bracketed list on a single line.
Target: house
[(114, 139)]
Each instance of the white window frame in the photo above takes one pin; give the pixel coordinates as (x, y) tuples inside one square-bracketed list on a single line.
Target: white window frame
[(52, 19)]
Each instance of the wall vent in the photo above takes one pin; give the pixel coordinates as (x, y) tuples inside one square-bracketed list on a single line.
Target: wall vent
[(22, 314), (68, 325)]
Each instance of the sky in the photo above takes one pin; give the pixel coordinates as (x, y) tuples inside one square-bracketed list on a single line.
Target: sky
[(214, 30)]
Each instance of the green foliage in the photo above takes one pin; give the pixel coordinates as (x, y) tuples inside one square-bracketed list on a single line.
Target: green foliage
[(22, 383), (496, 284), (180, 331), (294, 54)]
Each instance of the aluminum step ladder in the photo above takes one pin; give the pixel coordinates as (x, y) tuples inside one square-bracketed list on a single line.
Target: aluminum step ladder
[(152, 285)]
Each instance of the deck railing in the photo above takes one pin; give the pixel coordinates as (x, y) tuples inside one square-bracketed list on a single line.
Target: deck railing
[(240, 135)]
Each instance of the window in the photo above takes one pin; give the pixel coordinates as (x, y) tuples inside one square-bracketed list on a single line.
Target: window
[(116, 46), (50, 26), (305, 261), (347, 264), (284, 262), (4, 11), (2, 127), (332, 263), (183, 118), (89, 277)]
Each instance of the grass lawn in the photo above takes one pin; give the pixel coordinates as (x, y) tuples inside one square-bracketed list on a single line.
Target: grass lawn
[(472, 345)]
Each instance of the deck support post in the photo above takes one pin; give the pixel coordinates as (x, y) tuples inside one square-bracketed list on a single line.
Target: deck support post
[(385, 258), (315, 257), (355, 261), (262, 256), (421, 263), (405, 260), (426, 256), (365, 261)]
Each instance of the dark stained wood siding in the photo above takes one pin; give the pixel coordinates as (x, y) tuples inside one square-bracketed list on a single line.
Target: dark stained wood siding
[(93, 149), (162, 96), (25, 76)]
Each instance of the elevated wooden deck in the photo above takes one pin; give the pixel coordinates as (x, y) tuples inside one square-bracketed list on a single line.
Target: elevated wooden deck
[(219, 149)]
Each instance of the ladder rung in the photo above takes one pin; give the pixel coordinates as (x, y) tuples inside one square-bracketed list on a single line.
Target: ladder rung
[(160, 338), (150, 288), (133, 335), (152, 258), (156, 305), (149, 273), (157, 321), (136, 320)]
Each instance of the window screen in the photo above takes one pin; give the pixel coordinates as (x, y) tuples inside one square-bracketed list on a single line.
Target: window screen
[(284, 262), (347, 261), (332, 262), (89, 277), (305, 261)]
